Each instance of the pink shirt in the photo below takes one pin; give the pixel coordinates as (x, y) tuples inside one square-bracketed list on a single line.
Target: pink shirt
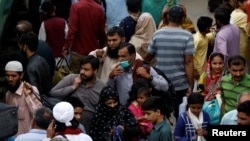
[(26, 107), (137, 112)]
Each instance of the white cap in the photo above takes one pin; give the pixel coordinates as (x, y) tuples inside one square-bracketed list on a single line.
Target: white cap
[(14, 66), (63, 112)]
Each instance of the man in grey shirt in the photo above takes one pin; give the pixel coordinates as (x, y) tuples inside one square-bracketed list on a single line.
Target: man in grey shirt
[(122, 76), (84, 86)]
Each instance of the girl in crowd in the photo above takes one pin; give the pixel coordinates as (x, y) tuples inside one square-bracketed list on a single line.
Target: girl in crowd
[(140, 91), (192, 124), (113, 121), (209, 82)]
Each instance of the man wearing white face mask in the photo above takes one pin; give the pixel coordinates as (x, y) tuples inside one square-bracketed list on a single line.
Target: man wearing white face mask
[(124, 73)]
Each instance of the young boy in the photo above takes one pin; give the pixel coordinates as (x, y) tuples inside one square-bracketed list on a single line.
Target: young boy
[(161, 131), (78, 109)]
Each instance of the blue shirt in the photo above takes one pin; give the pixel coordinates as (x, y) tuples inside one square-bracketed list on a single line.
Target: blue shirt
[(161, 132), (230, 118), (32, 135)]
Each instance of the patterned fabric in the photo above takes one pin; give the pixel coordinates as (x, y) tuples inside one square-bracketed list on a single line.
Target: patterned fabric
[(185, 129), (106, 118), (170, 45), (128, 25)]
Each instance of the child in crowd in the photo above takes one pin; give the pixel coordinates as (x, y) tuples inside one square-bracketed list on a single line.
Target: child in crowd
[(161, 131), (192, 124), (140, 91), (78, 110)]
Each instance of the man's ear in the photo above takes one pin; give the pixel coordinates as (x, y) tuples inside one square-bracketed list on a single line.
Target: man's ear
[(123, 39), (21, 76)]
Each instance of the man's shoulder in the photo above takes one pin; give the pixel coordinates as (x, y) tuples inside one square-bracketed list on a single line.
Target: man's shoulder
[(227, 77)]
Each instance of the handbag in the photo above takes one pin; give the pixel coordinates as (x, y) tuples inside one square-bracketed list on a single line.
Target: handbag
[(212, 107), (61, 71), (8, 121), (47, 101)]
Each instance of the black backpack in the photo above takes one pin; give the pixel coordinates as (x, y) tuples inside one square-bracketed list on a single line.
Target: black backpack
[(168, 97)]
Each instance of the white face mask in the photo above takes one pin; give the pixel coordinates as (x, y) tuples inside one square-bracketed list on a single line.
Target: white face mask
[(134, 17)]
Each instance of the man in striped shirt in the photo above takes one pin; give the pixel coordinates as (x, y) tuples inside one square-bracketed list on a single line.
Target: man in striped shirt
[(174, 49)]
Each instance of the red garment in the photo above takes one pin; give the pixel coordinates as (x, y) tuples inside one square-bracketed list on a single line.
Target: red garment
[(55, 36), (86, 27), (70, 130)]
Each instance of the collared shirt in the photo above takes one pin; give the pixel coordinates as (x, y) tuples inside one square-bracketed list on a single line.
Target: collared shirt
[(26, 107), (230, 118), (161, 132), (230, 90), (124, 82), (32, 135)]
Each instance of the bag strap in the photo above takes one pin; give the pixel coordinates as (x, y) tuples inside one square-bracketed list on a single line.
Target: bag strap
[(59, 63)]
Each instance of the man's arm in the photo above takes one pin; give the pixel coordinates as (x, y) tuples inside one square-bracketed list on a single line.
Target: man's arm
[(189, 69)]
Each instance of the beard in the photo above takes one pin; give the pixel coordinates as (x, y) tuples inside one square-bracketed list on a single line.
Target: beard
[(12, 88), (87, 79), (112, 53)]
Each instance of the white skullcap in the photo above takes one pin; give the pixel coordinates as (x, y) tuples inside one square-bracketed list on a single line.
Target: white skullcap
[(63, 112), (14, 66)]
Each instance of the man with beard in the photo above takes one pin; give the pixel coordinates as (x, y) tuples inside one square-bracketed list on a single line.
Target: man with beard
[(227, 40), (20, 95), (84, 86), (108, 56), (234, 83)]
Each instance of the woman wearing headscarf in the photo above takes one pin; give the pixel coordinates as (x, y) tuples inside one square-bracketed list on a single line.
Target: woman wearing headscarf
[(144, 31), (112, 121)]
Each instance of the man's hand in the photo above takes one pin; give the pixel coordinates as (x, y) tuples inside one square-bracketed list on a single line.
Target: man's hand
[(64, 52), (51, 129), (141, 71), (100, 53), (116, 71), (189, 91), (27, 88), (77, 82)]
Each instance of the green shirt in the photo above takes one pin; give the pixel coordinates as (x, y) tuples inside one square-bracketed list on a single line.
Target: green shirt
[(161, 132), (230, 90)]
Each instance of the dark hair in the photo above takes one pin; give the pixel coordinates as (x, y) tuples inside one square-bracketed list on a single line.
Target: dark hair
[(43, 116), (140, 85), (228, 6), (75, 102), (216, 54), (236, 60), (23, 27), (94, 62), (116, 29), (61, 126), (176, 17), (48, 7), (130, 47), (30, 39), (222, 15), (244, 107), (134, 5), (195, 98), (203, 23), (153, 103)]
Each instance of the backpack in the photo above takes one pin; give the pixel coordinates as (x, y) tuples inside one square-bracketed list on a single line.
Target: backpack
[(167, 97)]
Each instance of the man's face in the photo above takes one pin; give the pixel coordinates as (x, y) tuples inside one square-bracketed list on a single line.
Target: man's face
[(243, 118), (114, 41), (87, 73), (124, 55), (13, 79), (78, 113), (237, 72)]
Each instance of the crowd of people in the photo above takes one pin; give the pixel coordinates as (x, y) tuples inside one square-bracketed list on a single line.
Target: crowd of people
[(113, 48)]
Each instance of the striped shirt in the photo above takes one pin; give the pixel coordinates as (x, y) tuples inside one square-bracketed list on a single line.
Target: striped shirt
[(230, 90), (170, 45)]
